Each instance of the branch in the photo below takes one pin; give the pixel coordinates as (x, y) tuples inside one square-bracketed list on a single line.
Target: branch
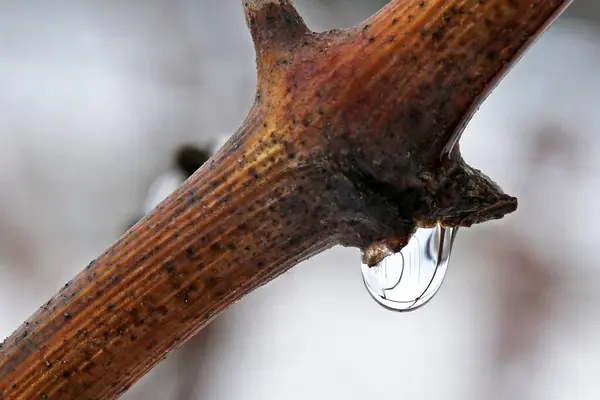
[(351, 140)]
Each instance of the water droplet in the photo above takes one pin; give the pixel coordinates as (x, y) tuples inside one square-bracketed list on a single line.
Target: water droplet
[(409, 279)]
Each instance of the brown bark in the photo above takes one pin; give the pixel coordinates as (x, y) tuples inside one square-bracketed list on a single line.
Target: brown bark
[(351, 140)]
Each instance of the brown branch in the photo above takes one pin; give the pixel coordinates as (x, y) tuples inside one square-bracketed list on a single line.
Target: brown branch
[(350, 141)]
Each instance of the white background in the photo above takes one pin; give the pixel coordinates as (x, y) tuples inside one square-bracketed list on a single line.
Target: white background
[(95, 96)]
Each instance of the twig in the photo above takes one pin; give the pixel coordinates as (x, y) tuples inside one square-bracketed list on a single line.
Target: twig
[(351, 140)]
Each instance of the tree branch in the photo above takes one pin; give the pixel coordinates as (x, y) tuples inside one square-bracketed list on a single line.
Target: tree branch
[(351, 140)]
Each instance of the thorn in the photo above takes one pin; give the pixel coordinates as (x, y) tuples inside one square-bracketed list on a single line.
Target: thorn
[(471, 197), (275, 25)]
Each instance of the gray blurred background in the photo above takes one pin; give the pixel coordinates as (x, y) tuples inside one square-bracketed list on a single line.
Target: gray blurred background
[(95, 96)]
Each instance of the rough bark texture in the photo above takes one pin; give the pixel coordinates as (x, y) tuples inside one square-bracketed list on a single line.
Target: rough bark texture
[(352, 140)]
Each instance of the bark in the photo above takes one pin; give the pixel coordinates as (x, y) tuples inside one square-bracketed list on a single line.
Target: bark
[(352, 140)]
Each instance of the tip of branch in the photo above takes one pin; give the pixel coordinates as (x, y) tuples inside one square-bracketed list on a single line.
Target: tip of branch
[(274, 24), (471, 197)]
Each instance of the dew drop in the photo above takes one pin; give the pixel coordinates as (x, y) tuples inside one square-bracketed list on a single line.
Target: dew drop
[(409, 279)]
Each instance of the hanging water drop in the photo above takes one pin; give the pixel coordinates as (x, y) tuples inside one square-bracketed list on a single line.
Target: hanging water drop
[(409, 279)]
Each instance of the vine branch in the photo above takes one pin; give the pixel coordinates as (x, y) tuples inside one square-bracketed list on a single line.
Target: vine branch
[(352, 140)]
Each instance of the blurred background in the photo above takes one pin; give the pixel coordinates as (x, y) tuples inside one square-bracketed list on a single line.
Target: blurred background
[(95, 98)]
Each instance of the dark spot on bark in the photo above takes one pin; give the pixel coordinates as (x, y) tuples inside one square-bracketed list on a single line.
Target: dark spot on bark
[(189, 251), (491, 55), (252, 172), (169, 267), (438, 35)]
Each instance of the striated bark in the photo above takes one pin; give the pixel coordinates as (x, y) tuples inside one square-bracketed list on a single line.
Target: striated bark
[(352, 140)]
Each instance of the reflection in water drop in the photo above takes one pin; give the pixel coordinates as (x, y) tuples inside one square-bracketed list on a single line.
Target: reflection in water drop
[(407, 280)]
